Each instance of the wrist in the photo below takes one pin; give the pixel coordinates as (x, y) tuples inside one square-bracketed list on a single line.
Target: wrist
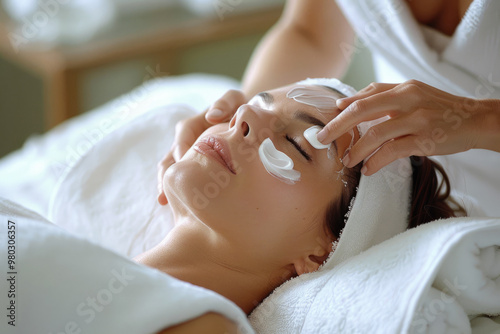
[(489, 125)]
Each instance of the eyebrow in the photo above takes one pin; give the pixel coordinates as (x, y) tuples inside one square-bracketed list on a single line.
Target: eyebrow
[(266, 97), (299, 114), (305, 117)]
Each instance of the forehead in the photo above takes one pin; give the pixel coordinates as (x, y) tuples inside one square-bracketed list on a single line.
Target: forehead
[(317, 100), (311, 89)]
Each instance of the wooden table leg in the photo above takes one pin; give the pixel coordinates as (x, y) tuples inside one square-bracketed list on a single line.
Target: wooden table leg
[(62, 100)]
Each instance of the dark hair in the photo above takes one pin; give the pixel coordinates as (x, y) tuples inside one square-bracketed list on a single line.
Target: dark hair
[(430, 198)]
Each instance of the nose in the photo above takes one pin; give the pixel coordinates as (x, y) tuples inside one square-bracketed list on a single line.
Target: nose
[(255, 123)]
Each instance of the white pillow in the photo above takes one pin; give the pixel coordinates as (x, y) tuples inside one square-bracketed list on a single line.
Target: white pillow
[(109, 196)]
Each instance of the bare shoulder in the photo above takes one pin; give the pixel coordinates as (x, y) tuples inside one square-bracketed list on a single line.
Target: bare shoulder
[(209, 323)]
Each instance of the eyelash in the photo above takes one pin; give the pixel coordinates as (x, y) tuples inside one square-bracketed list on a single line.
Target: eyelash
[(298, 147)]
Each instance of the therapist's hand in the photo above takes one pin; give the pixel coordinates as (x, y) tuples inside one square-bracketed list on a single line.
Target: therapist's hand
[(188, 130), (422, 121)]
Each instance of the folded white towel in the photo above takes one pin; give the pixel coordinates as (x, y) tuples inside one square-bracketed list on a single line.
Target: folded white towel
[(425, 280), (63, 283)]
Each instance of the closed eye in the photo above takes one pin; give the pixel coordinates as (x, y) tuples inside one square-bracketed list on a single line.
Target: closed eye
[(298, 147)]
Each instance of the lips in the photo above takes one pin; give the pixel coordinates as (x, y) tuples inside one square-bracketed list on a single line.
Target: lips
[(216, 148)]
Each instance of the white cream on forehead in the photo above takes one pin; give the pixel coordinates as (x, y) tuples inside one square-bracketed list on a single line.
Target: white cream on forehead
[(324, 102), (277, 163)]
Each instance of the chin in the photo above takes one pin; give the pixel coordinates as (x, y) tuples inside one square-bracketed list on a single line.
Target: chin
[(188, 184)]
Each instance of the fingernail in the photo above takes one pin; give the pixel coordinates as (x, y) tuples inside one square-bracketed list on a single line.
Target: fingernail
[(346, 158), (321, 136), (340, 101), (363, 170), (215, 113)]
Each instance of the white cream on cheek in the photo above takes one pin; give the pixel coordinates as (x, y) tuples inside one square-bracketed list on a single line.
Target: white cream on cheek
[(324, 103), (277, 163)]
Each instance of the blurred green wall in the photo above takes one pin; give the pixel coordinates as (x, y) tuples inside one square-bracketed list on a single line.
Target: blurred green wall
[(21, 93)]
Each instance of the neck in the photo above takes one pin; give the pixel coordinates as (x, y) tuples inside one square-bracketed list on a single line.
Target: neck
[(194, 253)]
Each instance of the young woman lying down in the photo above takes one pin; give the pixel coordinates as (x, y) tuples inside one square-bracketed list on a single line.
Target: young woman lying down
[(281, 199)]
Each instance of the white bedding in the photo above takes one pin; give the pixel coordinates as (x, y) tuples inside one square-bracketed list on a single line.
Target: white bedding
[(62, 283), (110, 195)]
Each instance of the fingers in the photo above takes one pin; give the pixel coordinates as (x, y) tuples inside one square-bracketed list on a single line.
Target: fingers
[(187, 131), (389, 152), (162, 168), (179, 150), (366, 109), (371, 89), (175, 154), (375, 137), (224, 108)]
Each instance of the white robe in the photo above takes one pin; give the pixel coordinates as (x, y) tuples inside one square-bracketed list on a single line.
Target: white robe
[(465, 64)]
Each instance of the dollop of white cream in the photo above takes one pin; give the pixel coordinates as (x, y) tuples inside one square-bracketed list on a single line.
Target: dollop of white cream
[(277, 163), (325, 103), (311, 135)]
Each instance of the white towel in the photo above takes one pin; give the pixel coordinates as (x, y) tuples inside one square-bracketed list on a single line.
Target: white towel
[(63, 283), (425, 280), (109, 196)]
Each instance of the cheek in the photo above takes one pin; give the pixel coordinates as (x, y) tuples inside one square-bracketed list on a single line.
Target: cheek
[(183, 182)]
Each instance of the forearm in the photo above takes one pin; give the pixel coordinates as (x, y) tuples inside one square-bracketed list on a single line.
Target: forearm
[(306, 42), (489, 130)]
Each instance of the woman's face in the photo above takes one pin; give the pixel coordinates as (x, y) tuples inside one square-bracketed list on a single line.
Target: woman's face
[(232, 192)]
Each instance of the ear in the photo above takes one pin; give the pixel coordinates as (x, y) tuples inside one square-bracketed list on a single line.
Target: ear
[(310, 262)]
